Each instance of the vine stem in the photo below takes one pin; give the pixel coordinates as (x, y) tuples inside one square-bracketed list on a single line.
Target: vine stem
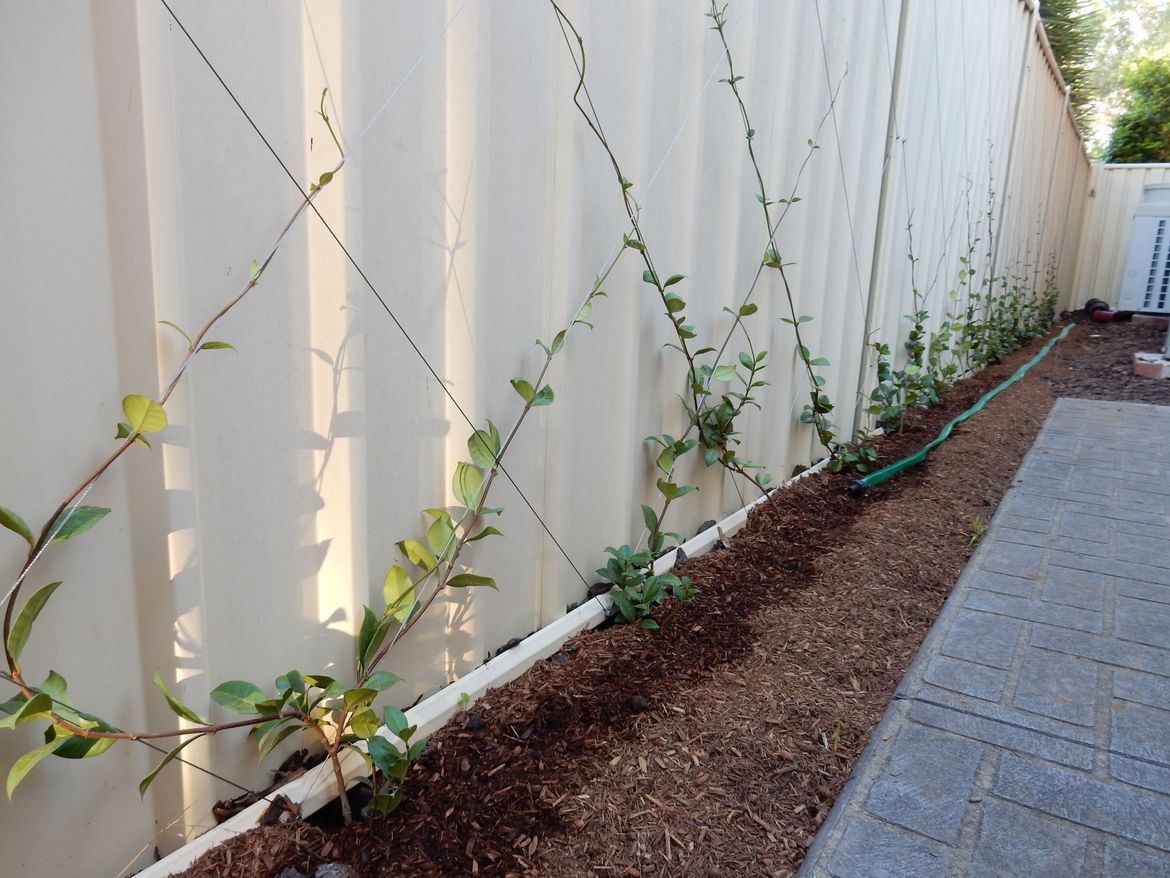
[(472, 515), (60, 516), (718, 17)]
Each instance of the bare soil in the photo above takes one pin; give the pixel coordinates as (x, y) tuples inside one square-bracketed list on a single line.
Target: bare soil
[(717, 746)]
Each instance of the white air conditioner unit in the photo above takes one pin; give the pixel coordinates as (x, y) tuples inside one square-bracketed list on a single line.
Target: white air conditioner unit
[(1145, 283)]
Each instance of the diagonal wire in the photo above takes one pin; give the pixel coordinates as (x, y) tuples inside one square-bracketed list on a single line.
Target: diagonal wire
[(353, 262)]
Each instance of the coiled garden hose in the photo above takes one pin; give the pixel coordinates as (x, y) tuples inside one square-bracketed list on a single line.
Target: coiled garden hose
[(858, 486)]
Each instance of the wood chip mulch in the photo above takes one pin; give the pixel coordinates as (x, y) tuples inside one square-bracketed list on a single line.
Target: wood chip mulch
[(716, 746)]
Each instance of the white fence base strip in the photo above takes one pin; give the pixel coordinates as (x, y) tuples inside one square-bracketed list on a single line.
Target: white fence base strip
[(316, 788)]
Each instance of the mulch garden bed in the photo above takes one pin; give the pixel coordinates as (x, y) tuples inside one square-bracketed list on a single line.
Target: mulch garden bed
[(717, 746)]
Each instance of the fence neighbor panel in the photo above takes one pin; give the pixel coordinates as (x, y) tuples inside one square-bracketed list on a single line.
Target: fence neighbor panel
[(1114, 196), (479, 208)]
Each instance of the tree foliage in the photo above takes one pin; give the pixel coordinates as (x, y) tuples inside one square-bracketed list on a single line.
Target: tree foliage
[(1074, 29), (1142, 131)]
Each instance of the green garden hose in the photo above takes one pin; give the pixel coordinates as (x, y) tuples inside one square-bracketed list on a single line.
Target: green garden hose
[(858, 486)]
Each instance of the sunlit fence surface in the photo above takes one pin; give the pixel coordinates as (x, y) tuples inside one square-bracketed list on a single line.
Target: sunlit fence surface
[(925, 150)]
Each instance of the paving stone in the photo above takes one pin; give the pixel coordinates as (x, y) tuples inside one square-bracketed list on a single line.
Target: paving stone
[(1143, 688), (978, 681), (1158, 531), (1103, 649), (1140, 730), (1003, 735), (870, 850), (1060, 686), (1076, 588), (1111, 807), (1007, 714), (1063, 545), (1111, 567), (1015, 842), (1039, 508), (1143, 621), (1143, 550), (1040, 484), (1015, 560), (1057, 442), (1118, 518), (1123, 862), (1034, 611), (1088, 482), (926, 783), (1046, 469), (982, 638), (1140, 773), (1002, 583), (1019, 522), (1144, 501), (1084, 527), (1147, 591)]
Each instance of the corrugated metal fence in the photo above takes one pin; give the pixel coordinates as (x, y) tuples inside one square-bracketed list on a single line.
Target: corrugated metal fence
[(479, 207)]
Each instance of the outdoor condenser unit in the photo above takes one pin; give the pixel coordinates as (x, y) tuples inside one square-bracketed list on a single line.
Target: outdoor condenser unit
[(1145, 283)]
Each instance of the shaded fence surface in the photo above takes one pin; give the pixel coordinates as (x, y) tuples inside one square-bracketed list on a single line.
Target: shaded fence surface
[(478, 205)]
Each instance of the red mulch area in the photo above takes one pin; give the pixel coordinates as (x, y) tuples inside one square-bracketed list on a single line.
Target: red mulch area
[(717, 746)]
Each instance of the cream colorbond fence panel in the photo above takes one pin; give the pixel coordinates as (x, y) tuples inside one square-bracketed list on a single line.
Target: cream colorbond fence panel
[(479, 206), (1116, 191)]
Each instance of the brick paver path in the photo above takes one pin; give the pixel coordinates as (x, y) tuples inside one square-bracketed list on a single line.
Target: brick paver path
[(1031, 736)]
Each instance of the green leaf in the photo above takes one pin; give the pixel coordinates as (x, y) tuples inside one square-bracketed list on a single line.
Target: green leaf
[(36, 708), (366, 635), (484, 446), (177, 329), (633, 244), (748, 309), (488, 531), (16, 524), (325, 179), (665, 460), (469, 580), (364, 723), (650, 517), (81, 520), (144, 414), (238, 696), (216, 346), (273, 739), (382, 680), (254, 271), (439, 535), (22, 627), (28, 761), (395, 720), (163, 763), (818, 361), (384, 754), (674, 303), (544, 396), (398, 592), (673, 279), (417, 553), (465, 483), (650, 277), (805, 318), (523, 388), (723, 373), (177, 706), (355, 698), (584, 314)]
